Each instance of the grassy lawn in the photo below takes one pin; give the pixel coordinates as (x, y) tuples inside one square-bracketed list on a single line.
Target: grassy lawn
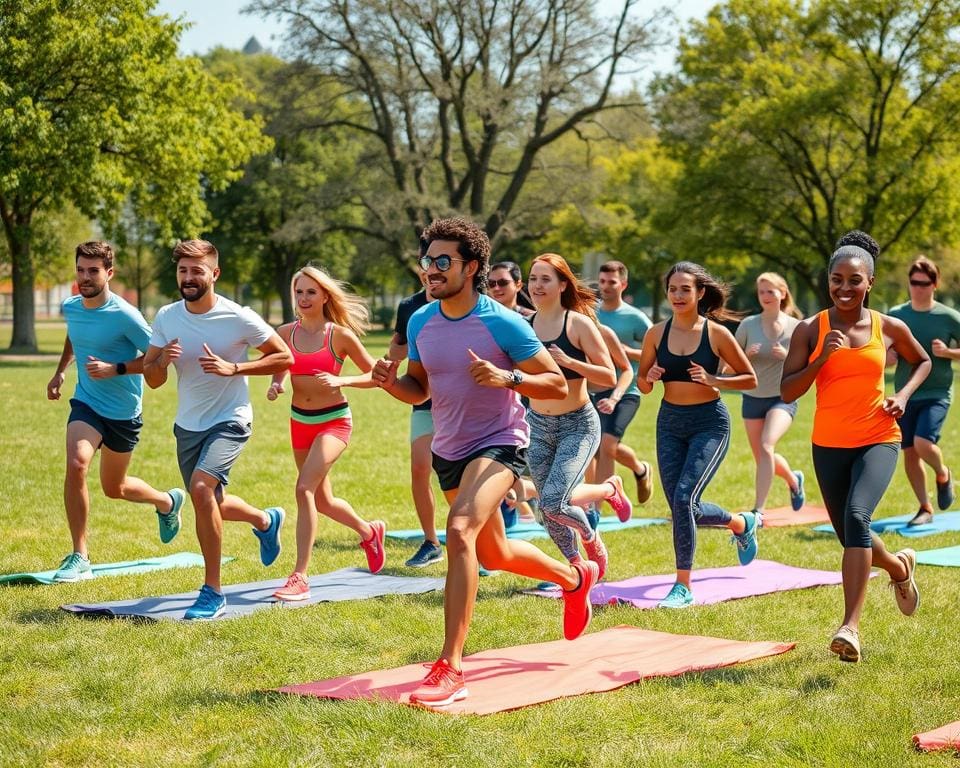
[(93, 693)]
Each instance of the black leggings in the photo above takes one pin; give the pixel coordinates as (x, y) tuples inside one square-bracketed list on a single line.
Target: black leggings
[(852, 482)]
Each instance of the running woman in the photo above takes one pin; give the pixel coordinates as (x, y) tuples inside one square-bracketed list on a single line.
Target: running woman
[(326, 332), (505, 285), (855, 434), (766, 338), (693, 425)]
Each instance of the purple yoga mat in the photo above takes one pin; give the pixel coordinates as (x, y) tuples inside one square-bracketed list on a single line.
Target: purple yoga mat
[(713, 585)]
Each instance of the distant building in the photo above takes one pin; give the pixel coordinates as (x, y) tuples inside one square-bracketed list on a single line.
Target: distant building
[(252, 47)]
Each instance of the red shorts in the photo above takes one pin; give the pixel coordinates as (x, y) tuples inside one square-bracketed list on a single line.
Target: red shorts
[(306, 426)]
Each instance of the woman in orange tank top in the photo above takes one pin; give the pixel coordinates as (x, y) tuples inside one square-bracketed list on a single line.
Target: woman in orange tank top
[(855, 434)]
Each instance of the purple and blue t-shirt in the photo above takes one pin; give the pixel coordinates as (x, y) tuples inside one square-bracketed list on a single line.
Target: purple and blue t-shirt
[(468, 417)]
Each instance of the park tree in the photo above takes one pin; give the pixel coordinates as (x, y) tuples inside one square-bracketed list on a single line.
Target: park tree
[(796, 121), (96, 109)]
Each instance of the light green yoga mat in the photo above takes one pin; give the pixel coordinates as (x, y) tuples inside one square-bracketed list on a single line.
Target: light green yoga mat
[(147, 564)]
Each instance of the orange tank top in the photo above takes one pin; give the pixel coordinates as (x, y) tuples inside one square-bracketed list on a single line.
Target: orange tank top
[(850, 392)]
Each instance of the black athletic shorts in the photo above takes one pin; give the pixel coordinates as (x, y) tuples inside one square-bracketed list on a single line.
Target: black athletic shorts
[(119, 435), (616, 423), (450, 472)]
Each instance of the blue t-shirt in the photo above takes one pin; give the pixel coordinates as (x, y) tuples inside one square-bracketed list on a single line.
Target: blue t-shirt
[(114, 333), (630, 325), (466, 416)]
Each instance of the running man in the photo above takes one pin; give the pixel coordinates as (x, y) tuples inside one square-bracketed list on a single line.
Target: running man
[(206, 337), (109, 337), (475, 358)]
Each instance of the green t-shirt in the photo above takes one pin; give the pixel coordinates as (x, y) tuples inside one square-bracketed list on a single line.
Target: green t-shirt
[(942, 323), (630, 325)]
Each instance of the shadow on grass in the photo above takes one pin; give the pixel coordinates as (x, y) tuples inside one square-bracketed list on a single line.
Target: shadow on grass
[(41, 616), (817, 684)]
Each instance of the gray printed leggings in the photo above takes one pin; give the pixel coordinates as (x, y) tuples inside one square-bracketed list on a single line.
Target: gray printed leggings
[(561, 448)]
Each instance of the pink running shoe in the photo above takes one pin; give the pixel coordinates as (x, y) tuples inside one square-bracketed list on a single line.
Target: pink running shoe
[(597, 552), (443, 685), (296, 589), (577, 610), (373, 547), (619, 501)]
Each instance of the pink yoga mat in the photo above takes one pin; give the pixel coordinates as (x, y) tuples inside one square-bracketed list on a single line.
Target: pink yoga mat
[(944, 737), (780, 517), (511, 678), (712, 585)]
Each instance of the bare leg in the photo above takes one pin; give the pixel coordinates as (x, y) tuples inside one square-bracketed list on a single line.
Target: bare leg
[(421, 487), (932, 456), (917, 476), (626, 457), (117, 484), (607, 455), (203, 494), (857, 562), (82, 442)]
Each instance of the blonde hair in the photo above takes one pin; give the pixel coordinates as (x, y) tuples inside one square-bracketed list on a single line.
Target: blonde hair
[(786, 303), (342, 307)]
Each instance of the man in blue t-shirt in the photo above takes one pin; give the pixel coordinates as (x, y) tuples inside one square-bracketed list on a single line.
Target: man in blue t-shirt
[(474, 359), (108, 338)]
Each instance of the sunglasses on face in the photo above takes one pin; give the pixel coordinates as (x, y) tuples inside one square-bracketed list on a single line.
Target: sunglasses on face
[(441, 262), (921, 283), (503, 282)]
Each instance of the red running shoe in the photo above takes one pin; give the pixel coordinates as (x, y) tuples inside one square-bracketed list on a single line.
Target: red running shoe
[(373, 547), (443, 685), (619, 501), (597, 552), (577, 610), (294, 590)]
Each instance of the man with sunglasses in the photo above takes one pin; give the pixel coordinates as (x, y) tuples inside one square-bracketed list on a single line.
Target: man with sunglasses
[(475, 358)]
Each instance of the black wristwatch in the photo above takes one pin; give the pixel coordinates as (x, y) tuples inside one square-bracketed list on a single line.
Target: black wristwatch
[(516, 379), (121, 369)]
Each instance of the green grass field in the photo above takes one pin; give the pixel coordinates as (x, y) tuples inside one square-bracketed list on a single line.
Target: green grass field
[(102, 693)]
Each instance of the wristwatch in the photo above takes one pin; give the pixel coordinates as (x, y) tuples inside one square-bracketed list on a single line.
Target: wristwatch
[(121, 369), (516, 379)]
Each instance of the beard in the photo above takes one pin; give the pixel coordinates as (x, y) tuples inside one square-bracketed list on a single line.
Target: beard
[(91, 291), (194, 291)]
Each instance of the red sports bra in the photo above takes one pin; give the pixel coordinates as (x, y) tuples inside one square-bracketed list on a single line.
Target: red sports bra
[(324, 360)]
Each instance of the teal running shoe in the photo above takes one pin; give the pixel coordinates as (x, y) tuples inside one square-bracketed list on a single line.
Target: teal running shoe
[(678, 597), (170, 522), (209, 605), (746, 542), (427, 554), (74, 567), (270, 538)]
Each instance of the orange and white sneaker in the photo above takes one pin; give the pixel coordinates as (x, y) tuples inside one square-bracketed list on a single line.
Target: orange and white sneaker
[(577, 609), (443, 685), (296, 589), (373, 547)]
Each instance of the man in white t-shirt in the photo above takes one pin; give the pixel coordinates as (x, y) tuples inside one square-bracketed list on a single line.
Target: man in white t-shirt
[(207, 338)]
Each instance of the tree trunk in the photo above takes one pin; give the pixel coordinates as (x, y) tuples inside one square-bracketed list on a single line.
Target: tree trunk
[(24, 337)]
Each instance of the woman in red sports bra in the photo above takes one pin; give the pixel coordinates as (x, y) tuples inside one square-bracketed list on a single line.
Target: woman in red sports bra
[(329, 322), (855, 434)]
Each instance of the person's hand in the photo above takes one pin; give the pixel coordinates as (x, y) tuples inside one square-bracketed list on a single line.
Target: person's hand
[(53, 386), (753, 350), (833, 341), (170, 352), (212, 363), (939, 349), (895, 405), (385, 372), (778, 351), (655, 372), (275, 390), (329, 380), (97, 369), (486, 374), (606, 405), (699, 375), (559, 356)]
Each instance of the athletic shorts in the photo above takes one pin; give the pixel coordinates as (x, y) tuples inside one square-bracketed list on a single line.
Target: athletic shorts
[(450, 471), (922, 418), (307, 425), (421, 424), (213, 451), (758, 407), (616, 423), (119, 435)]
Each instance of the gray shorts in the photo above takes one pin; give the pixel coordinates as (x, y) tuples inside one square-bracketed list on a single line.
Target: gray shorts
[(212, 451)]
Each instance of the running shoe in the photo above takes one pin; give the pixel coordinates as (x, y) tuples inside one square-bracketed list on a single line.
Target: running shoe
[(209, 605), (577, 609), (746, 542), (593, 515), (619, 501), (923, 517), (906, 592), (443, 685), (74, 567), (846, 644), (373, 547), (296, 589), (170, 521), (679, 596), (945, 492), (428, 554), (270, 538), (597, 552), (797, 497), (644, 482)]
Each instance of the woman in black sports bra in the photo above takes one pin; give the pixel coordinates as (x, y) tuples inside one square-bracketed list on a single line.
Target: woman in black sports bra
[(693, 425)]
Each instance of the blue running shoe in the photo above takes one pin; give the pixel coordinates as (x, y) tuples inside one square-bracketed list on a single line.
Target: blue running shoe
[(679, 596), (209, 605), (427, 554), (797, 497), (170, 521), (593, 516), (747, 541), (945, 496), (270, 538), (74, 567)]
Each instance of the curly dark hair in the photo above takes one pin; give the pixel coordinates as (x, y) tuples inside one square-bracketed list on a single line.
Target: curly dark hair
[(472, 244), (861, 240)]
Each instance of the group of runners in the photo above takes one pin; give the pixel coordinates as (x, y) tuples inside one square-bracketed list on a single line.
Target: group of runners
[(506, 384)]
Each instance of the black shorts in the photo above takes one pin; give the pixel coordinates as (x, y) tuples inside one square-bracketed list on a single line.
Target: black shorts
[(616, 423), (450, 472), (119, 435), (922, 418)]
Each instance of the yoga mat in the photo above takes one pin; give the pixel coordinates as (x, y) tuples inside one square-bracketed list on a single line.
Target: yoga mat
[(711, 585), (781, 517), (942, 521), (531, 531), (947, 556), (944, 737), (503, 679), (244, 599), (147, 564)]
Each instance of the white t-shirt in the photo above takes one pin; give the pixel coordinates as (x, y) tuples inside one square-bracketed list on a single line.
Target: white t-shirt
[(205, 399)]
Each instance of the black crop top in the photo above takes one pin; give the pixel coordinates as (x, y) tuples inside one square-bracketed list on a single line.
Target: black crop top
[(676, 367), (563, 341)]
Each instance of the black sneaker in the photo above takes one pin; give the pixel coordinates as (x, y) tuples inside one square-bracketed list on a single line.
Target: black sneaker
[(945, 492), (923, 517), (427, 554)]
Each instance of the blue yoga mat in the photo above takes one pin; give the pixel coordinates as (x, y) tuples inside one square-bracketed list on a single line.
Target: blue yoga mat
[(147, 564), (947, 556), (531, 531), (942, 522), (244, 599)]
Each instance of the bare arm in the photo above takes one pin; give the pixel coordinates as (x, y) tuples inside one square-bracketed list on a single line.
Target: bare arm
[(734, 358), (351, 347), (56, 382), (597, 368), (157, 360), (412, 388), (798, 373), (619, 358), (648, 372), (908, 349), (397, 351)]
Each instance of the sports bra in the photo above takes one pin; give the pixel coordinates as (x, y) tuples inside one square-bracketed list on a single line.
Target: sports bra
[(324, 360), (563, 341), (676, 367)]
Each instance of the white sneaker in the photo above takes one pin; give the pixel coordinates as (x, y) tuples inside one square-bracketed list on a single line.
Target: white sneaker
[(906, 592)]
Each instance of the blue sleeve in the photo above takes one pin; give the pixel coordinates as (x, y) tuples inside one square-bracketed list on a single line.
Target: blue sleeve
[(415, 325), (643, 325), (514, 335), (137, 330)]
